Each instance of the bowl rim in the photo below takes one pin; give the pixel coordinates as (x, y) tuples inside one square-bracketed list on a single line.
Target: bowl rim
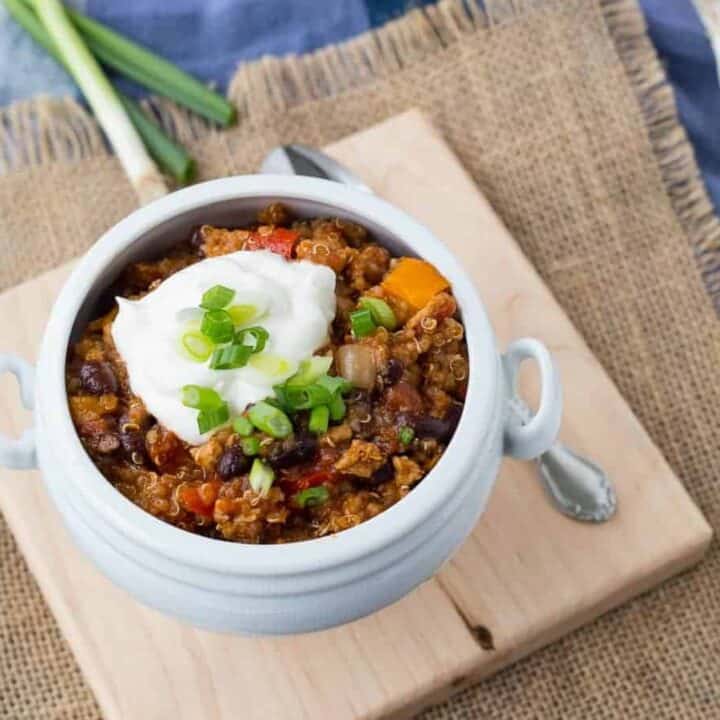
[(371, 536)]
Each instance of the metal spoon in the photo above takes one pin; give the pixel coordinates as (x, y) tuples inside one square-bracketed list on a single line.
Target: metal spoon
[(577, 486)]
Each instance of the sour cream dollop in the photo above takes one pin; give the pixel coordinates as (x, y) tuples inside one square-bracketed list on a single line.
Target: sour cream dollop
[(295, 303)]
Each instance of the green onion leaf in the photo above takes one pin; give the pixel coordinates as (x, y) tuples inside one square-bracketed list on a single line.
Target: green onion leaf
[(217, 297), (218, 326), (209, 419), (242, 426), (311, 369), (250, 446), (381, 312), (261, 477), (305, 398), (253, 337), (230, 357), (362, 323), (200, 398), (311, 497), (406, 434), (196, 345), (152, 71), (270, 420), (242, 314), (337, 408), (319, 419)]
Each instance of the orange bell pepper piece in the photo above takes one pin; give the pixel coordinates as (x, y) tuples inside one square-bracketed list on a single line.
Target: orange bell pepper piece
[(414, 281)]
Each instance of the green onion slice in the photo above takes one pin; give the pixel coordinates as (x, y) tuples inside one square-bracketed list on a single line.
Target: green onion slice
[(217, 297), (250, 446), (310, 370), (362, 323), (334, 384), (200, 398), (381, 312), (305, 398), (337, 408), (406, 434), (270, 420), (209, 419), (242, 314), (218, 326), (261, 477), (196, 345), (312, 496), (230, 357), (319, 419), (271, 365), (242, 426), (253, 337)]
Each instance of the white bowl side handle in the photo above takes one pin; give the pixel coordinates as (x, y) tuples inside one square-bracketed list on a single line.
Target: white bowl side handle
[(530, 439), (19, 453)]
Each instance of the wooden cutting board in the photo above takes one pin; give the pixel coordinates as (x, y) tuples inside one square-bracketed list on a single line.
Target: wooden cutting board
[(526, 576)]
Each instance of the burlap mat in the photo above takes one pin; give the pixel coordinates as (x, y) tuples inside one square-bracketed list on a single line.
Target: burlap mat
[(561, 112)]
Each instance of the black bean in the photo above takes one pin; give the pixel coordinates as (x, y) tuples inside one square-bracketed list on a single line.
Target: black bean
[(393, 371), (427, 426), (233, 462), (384, 474), (300, 449), (133, 444), (98, 378), (107, 443)]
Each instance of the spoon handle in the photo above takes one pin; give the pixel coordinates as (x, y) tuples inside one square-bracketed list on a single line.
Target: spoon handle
[(577, 486)]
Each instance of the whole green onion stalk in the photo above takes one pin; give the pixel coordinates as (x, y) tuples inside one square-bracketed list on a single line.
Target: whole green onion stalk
[(169, 155), (100, 95)]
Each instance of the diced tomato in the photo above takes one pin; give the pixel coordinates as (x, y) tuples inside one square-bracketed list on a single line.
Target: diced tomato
[(279, 240), (199, 499), (295, 483)]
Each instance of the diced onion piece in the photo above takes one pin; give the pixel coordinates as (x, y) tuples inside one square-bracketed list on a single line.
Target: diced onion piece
[(356, 364), (261, 477)]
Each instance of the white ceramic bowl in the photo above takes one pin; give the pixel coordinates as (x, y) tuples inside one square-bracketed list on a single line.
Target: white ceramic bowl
[(275, 589)]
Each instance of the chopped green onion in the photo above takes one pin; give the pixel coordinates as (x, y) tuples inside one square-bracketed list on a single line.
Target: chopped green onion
[(242, 426), (362, 323), (250, 446), (312, 496), (154, 72), (406, 434), (196, 345), (242, 314), (381, 312), (261, 477), (270, 420), (200, 398), (337, 408), (271, 365), (311, 369), (253, 337), (217, 297), (334, 384), (319, 419), (218, 326), (209, 419), (305, 398), (230, 357)]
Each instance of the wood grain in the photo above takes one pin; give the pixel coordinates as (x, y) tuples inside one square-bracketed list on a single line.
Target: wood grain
[(526, 575)]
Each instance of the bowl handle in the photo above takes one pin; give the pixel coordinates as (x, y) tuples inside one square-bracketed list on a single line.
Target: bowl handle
[(19, 453), (526, 435)]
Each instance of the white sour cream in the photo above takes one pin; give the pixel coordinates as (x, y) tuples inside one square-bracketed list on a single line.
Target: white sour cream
[(296, 303)]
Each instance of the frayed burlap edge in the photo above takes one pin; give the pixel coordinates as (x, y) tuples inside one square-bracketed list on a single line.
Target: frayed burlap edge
[(46, 130)]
